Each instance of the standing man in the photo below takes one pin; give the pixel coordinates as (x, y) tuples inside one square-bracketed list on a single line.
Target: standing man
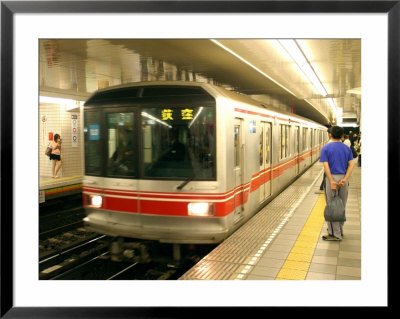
[(337, 159), (322, 186)]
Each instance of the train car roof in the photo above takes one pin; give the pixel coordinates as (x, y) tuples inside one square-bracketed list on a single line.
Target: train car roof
[(211, 89), (248, 100)]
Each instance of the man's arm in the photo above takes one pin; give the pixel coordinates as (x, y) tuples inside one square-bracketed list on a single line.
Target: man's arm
[(350, 167), (329, 175)]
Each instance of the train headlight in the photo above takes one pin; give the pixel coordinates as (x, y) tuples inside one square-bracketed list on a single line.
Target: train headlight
[(201, 209), (95, 201)]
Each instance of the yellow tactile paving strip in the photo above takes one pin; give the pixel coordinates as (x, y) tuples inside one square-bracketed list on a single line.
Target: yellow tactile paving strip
[(59, 179), (299, 259)]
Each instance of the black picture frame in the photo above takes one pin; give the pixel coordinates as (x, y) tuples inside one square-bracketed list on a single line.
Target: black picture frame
[(9, 8)]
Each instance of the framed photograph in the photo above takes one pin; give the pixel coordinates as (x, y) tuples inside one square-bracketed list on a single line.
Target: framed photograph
[(24, 23)]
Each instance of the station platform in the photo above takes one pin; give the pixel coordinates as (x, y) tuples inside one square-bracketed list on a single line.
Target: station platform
[(51, 188), (283, 241)]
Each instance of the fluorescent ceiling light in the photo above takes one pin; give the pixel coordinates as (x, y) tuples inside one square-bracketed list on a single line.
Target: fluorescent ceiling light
[(333, 105), (69, 103), (295, 52), (293, 49), (249, 64), (334, 108)]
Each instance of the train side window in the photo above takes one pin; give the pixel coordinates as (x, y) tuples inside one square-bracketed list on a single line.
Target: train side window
[(311, 138), (236, 146), (92, 135), (261, 145), (315, 137), (267, 143), (120, 144), (285, 145), (312, 143), (287, 140), (282, 149), (304, 138)]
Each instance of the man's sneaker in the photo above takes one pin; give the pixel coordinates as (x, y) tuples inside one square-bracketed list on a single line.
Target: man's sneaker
[(331, 238)]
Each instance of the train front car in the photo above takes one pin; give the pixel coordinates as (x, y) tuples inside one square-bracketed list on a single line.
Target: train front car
[(151, 164)]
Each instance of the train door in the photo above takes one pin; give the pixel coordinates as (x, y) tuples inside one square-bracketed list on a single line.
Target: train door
[(265, 160), (268, 159), (311, 145), (121, 155), (238, 147), (296, 149)]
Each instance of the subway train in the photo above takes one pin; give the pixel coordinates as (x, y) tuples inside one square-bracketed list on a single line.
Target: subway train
[(186, 162)]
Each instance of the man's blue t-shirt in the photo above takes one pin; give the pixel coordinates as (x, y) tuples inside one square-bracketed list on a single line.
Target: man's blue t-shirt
[(337, 155)]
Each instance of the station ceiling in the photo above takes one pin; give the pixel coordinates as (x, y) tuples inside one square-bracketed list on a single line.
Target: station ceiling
[(256, 67)]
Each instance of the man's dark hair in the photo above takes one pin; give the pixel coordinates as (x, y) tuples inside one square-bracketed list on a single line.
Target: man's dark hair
[(337, 132)]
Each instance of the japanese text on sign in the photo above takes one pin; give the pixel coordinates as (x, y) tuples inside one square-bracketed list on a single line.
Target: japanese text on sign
[(168, 114), (187, 114)]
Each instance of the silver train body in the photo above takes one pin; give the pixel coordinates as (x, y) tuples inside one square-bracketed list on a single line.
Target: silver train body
[(234, 155)]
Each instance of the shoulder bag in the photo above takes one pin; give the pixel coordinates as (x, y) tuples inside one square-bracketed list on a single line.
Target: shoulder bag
[(48, 150), (334, 210)]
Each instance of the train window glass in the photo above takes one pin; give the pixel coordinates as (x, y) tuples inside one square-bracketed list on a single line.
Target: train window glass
[(120, 144), (315, 137), (236, 138), (261, 145), (92, 143), (284, 141), (311, 138), (287, 141), (267, 143), (305, 138), (178, 142)]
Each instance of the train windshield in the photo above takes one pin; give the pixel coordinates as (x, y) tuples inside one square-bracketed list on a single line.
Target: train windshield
[(178, 142), (151, 132)]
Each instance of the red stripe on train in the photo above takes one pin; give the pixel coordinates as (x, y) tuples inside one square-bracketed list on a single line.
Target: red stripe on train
[(169, 206)]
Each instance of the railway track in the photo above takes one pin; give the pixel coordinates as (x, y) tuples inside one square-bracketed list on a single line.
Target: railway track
[(94, 259), (54, 223), (97, 264), (67, 251), (69, 257)]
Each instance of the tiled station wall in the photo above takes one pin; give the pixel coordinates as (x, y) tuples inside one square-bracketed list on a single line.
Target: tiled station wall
[(56, 119)]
